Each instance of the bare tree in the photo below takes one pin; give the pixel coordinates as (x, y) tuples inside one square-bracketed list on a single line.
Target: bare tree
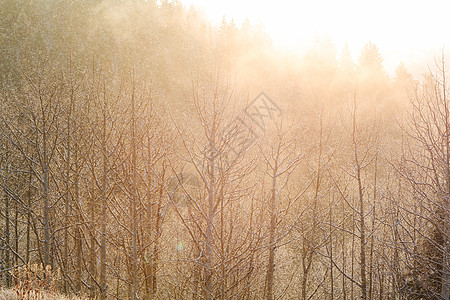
[(362, 149), (425, 165), (218, 212), (36, 140), (281, 158)]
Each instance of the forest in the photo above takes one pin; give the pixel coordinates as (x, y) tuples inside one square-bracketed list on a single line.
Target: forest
[(147, 154)]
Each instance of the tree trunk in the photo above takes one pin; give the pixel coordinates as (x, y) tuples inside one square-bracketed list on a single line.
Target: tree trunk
[(45, 196), (7, 245), (272, 237), (104, 202), (79, 218), (134, 201), (362, 229), (210, 221)]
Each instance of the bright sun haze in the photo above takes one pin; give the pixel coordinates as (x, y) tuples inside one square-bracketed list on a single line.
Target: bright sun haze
[(233, 149), (408, 31)]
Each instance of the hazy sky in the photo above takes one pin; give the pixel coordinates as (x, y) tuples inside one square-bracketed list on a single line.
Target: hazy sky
[(410, 31)]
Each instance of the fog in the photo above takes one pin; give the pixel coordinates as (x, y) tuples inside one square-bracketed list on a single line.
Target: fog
[(160, 150)]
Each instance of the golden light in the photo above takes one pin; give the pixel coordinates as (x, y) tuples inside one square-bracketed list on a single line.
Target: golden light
[(408, 31)]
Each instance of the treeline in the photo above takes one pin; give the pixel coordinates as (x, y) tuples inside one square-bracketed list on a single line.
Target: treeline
[(139, 160)]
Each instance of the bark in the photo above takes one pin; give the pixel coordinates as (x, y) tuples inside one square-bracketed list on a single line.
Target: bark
[(104, 202), (79, 218), (361, 214), (45, 196), (134, 201), (7, 239), (210, 222), (272, 237)]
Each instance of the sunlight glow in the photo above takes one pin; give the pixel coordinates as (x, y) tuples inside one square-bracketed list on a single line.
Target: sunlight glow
[(396, 27)]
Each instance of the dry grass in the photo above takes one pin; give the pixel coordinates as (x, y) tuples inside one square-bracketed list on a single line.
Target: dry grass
[(11, 294), (34, 282)]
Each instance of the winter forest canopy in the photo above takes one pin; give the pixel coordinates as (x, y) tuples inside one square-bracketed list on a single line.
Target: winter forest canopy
[(140, 160)]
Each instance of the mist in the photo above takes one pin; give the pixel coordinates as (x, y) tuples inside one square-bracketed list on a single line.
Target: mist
[(149, 150)]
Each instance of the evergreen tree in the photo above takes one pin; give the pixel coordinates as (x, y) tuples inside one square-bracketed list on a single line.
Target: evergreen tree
[(373, 80)]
